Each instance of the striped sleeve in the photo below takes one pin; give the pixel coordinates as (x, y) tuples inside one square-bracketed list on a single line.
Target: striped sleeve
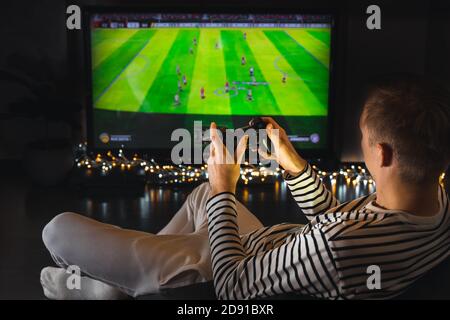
[(310, 193), (302, 264)]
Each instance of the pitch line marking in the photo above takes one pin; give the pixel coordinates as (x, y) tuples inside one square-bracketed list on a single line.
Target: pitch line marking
[(220, 92), (306, 50), (289, 74), (122, 71)]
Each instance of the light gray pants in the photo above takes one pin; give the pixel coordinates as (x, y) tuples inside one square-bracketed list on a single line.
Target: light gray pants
[(138, 262)]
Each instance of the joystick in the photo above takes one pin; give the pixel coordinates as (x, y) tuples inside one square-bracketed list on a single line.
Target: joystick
[(256, 124)]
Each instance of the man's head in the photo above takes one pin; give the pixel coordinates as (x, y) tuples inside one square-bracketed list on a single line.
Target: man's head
[(405, 126)]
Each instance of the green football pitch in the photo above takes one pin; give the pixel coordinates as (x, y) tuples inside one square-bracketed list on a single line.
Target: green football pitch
[(135, 70)]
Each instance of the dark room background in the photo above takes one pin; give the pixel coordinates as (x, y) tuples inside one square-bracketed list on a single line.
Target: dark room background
[(415, 37)]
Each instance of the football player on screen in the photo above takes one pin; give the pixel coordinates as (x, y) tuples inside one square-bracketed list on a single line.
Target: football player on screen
[(202, 93)]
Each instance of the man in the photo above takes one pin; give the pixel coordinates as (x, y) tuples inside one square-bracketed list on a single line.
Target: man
[(402, 229), (176, 101), (249, 95), (202, 93)]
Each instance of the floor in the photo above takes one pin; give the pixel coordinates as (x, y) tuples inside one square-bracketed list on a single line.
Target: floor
[(25, 208)]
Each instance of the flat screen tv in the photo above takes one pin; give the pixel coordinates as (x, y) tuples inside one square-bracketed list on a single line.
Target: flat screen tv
[(151, 73)]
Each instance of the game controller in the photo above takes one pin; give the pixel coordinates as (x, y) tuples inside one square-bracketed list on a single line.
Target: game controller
[(256, 124)]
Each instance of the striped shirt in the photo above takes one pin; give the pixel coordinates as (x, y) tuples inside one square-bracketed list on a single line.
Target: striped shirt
[(330, 256)]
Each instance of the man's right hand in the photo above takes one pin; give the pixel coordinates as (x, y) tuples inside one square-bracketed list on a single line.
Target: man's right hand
[(284, 153)]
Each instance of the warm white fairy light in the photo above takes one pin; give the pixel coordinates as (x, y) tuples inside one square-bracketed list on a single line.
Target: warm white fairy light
[(442, 178), (169, 174)]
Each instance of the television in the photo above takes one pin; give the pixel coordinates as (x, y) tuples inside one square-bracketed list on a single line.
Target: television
[(151, 73)]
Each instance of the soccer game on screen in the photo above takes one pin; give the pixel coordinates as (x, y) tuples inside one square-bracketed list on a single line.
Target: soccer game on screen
[(153, 73)]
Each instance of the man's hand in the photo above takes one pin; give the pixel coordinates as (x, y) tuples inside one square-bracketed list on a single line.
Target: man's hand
[(224, 168), (284, 153)]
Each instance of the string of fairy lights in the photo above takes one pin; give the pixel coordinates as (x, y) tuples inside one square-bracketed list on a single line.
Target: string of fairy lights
[(151, 170), (154, 171)]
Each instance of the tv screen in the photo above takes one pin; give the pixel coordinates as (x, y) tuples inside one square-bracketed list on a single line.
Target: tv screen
[(154, 73)]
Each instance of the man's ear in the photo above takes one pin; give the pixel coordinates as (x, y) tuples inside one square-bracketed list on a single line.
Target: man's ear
[(385, 155)]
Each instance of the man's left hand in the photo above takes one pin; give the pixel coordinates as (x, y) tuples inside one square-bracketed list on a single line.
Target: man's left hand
[(223, 167)]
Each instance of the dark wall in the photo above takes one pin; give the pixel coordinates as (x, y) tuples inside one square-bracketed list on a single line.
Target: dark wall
[(400, 46), (438, 53), (35, 30), (415, 37)]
